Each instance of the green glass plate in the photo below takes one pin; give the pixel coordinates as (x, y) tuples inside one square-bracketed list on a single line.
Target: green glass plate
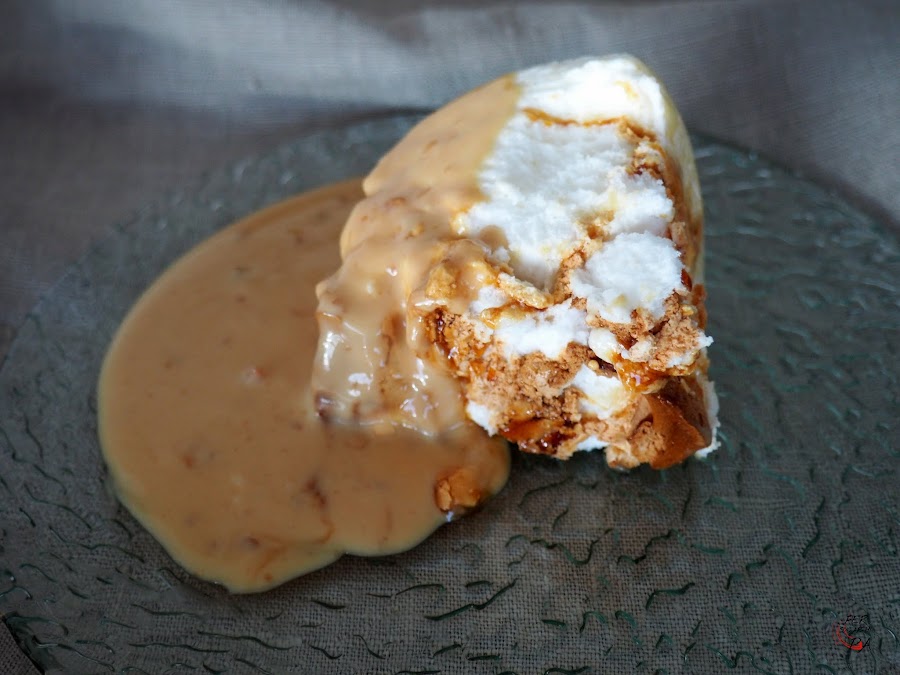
[(752, 560)]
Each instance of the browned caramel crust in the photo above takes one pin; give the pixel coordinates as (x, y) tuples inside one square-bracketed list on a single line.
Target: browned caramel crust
[(678, 421)]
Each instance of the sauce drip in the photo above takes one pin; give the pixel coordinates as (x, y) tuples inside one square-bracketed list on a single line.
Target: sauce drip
[(212, 434), (399, 243)]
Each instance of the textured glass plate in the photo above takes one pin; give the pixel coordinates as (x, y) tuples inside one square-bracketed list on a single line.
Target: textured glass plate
[(740, 562)]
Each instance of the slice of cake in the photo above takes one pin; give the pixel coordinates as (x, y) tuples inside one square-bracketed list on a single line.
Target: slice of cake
[(541, 240)]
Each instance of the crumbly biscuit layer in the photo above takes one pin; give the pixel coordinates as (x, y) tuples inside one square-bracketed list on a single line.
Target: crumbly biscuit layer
[(588, 329)]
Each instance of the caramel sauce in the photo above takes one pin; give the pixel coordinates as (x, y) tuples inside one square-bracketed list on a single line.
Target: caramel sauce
[(214, 439), (400, 250)]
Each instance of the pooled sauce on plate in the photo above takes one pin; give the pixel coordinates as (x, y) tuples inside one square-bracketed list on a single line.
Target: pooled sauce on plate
[(257, 445), (209, 429)]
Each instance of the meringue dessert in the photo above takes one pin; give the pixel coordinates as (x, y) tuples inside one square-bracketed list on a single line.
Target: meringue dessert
[(538, 240), (524, 265)]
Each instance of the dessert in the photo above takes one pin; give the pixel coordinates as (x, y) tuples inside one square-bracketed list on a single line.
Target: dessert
[(540, 238), (527, 260)]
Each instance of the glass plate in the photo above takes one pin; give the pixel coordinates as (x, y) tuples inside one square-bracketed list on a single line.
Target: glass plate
[(748, 560)]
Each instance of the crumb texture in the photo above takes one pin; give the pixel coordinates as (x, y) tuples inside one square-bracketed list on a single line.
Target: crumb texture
[(587, 329)]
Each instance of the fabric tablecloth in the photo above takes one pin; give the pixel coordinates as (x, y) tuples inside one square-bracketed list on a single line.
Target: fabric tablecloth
[(104, 105)]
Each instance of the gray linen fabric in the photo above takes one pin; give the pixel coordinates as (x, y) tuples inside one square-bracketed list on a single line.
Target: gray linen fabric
[(104, 104)]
